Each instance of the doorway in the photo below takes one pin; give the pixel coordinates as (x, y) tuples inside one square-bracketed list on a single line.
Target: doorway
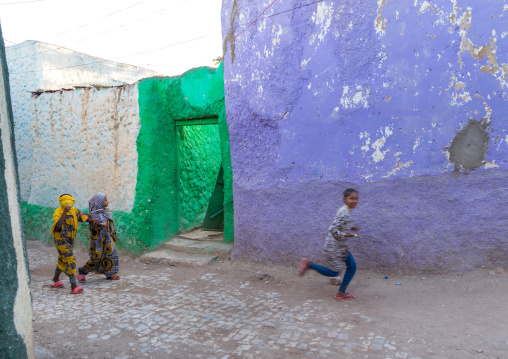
[(200, 175)]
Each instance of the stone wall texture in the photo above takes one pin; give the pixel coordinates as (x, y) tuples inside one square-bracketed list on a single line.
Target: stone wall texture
[(84, 142), (35, 67), (405, 101)]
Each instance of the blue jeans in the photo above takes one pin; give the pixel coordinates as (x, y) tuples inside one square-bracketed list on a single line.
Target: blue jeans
[(350, 271)]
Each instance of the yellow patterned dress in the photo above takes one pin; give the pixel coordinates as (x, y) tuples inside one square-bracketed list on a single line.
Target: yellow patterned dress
[(64, 239)]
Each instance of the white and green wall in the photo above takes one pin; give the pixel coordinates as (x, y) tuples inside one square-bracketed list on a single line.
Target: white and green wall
[(154, 147)]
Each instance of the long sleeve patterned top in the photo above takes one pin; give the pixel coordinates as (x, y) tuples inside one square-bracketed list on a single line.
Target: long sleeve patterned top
[(336, 249)]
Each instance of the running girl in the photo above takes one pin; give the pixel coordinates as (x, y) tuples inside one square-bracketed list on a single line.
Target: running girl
[(336, 250)]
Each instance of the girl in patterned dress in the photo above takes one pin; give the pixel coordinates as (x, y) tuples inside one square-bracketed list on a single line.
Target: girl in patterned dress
[(103, 252), (336, 250), (65, 226)]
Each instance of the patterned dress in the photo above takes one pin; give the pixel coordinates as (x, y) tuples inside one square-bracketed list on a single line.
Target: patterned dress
[(103, 251), (64, 241), (336, 250)]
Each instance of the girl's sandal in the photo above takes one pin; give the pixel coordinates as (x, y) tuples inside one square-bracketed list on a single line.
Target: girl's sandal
[(57, 284), (115, 277), (345, 296), (304, 265), (81, 278), (77, 290)]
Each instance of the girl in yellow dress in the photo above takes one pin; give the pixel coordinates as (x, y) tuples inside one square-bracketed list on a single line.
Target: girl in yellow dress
[(65, 226)]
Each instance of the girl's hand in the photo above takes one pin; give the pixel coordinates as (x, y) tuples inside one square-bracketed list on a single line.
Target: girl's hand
[(353, 235), (93, 220), (67, 208), (103, 224), (355, 228)]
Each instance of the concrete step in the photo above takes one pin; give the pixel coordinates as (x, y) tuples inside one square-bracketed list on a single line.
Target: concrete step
[(171, 258), (200, 235), (179, 244)]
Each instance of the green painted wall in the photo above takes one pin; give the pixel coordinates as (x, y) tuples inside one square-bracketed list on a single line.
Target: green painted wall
[(12, 345), (199, 93), (229, 232), (156, 216), (199, 159)]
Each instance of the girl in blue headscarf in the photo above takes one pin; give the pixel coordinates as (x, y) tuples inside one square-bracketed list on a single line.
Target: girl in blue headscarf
[(103, 252)]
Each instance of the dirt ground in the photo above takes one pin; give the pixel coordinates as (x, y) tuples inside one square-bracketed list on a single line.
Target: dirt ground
[(245, 310)]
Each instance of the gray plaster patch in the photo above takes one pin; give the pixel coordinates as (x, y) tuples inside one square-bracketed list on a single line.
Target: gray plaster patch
[(469, 146)]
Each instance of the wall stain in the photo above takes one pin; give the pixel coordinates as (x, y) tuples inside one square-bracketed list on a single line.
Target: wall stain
[(51, 119), (231, 34), (116, 125), (36, 124), (468, 148), (85, 101)]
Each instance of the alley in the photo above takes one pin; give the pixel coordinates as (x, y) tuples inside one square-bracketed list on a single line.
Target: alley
[(245, 310)]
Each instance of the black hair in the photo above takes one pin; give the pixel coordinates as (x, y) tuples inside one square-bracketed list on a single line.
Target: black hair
[(65, 194), (349, 191)]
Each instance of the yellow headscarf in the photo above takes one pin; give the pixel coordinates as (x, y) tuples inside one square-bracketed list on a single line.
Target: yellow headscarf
[(64, 201)]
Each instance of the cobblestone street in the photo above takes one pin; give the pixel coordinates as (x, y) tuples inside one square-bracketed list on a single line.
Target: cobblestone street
[(242, 310)]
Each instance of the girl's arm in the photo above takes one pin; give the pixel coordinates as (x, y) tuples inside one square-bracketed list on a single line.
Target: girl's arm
[(113, 230), (58, 225), (83, 217), (337, 225)]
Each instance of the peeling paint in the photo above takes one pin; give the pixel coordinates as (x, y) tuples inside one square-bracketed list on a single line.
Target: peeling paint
[(379, 155), (424, 8), (305, 62), (356, 99), (488, 111), (365, 148), (276, 40), (459, 86), (491, 165), (380, 23), (500, 71), (398, 167), (416, 143), (323, 17)]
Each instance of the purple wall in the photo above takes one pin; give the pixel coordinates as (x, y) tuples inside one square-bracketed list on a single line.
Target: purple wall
[(407, 101)]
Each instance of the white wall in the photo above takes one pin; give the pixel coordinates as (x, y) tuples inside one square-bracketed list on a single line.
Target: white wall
[(84, 141), (35, 66)]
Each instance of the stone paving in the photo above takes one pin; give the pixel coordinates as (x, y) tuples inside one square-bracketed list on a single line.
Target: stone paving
[(221, 312), (158, 317)]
